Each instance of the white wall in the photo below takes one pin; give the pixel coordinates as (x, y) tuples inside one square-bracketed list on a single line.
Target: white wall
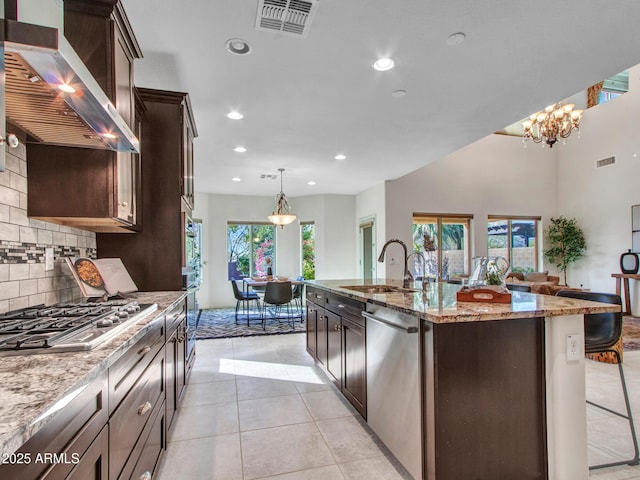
[(601, 198), (494, 176), (334, 218)]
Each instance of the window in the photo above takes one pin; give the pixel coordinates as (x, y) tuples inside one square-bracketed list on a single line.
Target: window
[(250, 249), (514, 238), (444, 241), (308, 241)]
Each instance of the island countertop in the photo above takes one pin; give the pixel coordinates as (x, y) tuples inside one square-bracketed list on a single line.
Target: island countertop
[(439, 304), (30, 385)]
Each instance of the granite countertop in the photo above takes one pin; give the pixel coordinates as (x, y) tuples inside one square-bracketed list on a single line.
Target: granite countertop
[(439, 304), (31, 384)]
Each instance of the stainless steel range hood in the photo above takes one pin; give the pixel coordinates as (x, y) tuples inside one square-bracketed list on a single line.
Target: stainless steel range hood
[(39, 61)]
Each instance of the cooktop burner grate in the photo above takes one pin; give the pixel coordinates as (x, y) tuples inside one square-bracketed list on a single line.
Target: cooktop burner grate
[(66, 327)]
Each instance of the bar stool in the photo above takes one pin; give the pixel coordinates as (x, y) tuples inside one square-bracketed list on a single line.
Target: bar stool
[(601, 332)]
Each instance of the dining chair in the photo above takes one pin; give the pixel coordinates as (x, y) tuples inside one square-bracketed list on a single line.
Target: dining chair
[(278, 295), (298, 292), (244, 298), (602, 331)]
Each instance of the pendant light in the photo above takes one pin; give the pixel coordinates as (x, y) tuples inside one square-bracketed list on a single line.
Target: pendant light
[(282, 216)]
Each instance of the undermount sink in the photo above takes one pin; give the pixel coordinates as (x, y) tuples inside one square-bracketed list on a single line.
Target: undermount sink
[(378, 289)]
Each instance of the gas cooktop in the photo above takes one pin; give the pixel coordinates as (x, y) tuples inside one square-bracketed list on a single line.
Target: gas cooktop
[(67, 327)]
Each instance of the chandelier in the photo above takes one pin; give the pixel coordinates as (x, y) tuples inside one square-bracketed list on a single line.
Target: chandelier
[(282, 216), (555, 121)]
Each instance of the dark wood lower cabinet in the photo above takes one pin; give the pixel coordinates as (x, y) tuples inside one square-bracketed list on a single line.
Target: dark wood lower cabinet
[(336, 339), (94, 463), (354, 375), (312, 321), (484, 400), (334, 346), (116, 427)]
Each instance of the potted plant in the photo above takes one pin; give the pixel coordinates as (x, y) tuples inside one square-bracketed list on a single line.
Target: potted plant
[(566, 243)]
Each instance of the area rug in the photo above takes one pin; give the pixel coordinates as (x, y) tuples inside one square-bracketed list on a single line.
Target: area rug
[(221, 323)]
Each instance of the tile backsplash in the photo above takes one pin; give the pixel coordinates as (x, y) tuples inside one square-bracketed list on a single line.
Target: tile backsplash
[(23, 240)]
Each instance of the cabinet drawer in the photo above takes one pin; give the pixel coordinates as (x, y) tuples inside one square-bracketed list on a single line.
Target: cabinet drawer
[(346, 307), (316, 296), (129, 420), (124, 373), (174, 315), (146, 453), (69, 434)]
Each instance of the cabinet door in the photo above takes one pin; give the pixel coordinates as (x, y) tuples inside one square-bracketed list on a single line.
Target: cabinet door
[(187, 164), (312, 318), (321, 337), (93, 464), (170, 377), (181, 344), (334, 346), (354, 379)]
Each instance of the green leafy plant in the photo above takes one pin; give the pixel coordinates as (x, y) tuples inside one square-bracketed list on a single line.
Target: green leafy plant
[(566, 243)]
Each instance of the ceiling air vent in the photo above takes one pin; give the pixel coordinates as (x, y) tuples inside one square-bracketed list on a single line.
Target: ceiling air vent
[(605, 161), (287, 16), (269, 176)]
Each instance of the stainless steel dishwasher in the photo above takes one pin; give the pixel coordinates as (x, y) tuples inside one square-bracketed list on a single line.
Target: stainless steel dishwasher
[(393, 384)]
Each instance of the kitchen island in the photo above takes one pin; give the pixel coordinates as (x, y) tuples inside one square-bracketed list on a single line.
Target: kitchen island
[(136, 366), (496, 393)]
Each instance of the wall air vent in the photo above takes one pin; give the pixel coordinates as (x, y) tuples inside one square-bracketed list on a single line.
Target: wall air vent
[(292, 17), (605, 161), (269, 176)]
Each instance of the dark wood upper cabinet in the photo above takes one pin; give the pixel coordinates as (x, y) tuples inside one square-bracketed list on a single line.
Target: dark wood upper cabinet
[(155, 257), (95, 190)]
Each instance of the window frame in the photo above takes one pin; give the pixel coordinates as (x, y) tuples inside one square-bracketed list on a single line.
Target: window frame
[(251, 225), (510, 219), (442, 219)]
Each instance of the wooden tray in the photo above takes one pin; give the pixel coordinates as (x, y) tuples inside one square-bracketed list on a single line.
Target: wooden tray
[(482, 295)]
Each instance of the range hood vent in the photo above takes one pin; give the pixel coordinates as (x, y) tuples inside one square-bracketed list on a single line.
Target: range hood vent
[(292, 17), (37, 61)]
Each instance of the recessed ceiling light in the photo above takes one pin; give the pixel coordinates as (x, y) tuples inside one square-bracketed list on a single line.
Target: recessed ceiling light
[(455, 39), (311, 182), (340, 156), (237, 46), (384, 64), (66, 88), (240, 149), (233, 115), (399, 93), (236, 179)]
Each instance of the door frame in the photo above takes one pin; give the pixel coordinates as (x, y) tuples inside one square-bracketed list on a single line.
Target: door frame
[(364, 223)]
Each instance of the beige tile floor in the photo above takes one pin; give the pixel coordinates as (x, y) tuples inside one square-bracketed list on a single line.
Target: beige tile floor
[(258, 407)]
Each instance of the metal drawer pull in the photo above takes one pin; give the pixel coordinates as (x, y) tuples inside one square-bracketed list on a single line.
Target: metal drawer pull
[(145, 476), (181, 339), (405, 329), (144, 350), (144, 409), (340, 305)]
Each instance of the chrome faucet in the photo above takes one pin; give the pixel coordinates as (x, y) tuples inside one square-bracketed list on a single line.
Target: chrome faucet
[(407, 279), (420, 255)]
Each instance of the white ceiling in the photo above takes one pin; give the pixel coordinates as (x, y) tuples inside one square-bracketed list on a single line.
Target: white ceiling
[(307, 99)]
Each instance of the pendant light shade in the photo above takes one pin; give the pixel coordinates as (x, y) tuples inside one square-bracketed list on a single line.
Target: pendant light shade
[(282, 215)]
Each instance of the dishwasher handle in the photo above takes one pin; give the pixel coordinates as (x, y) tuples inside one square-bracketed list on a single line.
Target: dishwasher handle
[(411, 329)]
